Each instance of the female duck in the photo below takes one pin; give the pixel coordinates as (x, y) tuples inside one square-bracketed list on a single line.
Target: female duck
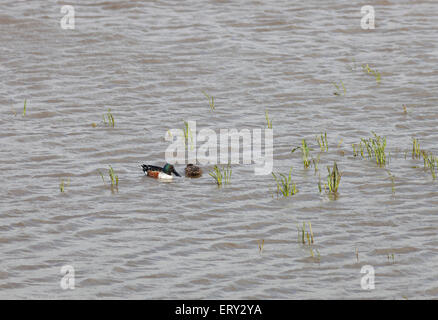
[(193, 171)]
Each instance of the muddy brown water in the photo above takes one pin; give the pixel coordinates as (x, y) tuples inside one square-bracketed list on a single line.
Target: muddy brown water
[(149, 61)]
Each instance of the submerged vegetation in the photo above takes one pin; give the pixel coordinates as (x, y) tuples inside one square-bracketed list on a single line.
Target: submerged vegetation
[(285, 185), (221, 176)]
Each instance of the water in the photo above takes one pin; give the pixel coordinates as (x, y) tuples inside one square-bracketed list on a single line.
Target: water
[(149, 61)]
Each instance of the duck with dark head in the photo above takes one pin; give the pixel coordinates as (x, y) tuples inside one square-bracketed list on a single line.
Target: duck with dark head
[(164, 173)]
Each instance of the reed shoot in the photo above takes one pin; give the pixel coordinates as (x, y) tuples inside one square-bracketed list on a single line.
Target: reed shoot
[(316, 163), (305, 236), (306, 154), (285, 185), (430, 162), (322, 142), (366, 68), (338, 90), (63, 184), (268, 122), (333, 179), (24, 107), (210, 100), (416, 152), (188, 136), (221, 176), (261, 244), (111, 122), (114, 178)]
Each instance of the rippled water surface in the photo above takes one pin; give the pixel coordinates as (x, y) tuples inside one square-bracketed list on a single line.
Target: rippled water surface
[(149, 61)]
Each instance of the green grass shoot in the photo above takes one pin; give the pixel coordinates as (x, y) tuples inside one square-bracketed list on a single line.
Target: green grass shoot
[(285, 185), (261, 244), (305, 153), (322, 142), (338, 89), (333, 179), (210, 100), (305, 236), (268, 122), (188, 136), (416, 151), (375, 148), (109, 116), (63, 184), (430, 162), (113, 178), (366, 68), (316, 163), (392, 181), (221, 176), (24, 107)]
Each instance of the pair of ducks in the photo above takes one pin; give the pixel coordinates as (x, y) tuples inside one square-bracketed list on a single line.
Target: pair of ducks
[(165, 173)]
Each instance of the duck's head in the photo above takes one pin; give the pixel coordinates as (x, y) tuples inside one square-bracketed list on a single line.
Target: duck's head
[(169, 169)]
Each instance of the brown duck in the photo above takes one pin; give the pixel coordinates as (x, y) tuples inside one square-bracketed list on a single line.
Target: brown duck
[(192, 171)]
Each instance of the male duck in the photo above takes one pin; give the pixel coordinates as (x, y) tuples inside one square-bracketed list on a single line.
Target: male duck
[(193, 171), (164, 173)]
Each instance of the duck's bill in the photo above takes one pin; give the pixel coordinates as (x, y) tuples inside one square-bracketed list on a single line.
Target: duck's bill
[(176, 173)]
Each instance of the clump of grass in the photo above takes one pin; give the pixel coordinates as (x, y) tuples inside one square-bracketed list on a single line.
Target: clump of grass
[(375, 148), (268, 122), (221, 176), (333, 179), (322, 142), (306, 154), (416, 152), (114, 179), (285, 185), (366, 68), (210, 100), (305, 236), (111, 121), (338, 89)]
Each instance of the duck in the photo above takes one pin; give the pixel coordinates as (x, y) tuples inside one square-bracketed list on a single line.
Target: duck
[(192, 171), (164, 173)]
